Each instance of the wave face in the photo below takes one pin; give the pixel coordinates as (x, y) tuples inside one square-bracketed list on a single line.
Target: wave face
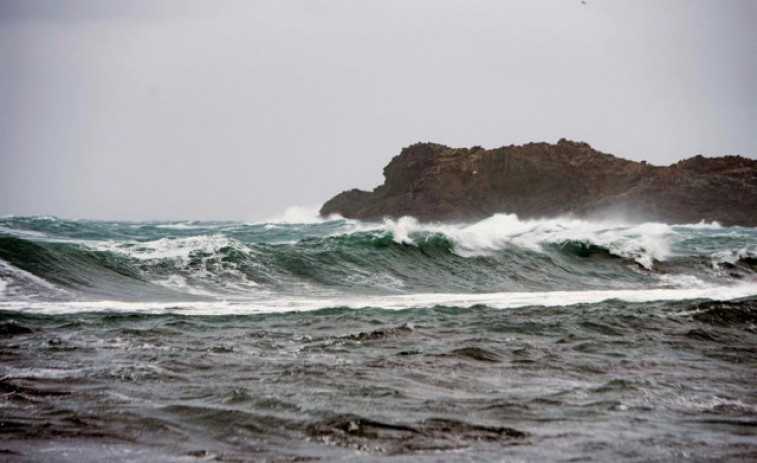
[(46, 259)]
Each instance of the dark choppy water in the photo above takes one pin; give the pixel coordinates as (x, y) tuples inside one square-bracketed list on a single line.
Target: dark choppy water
[(499, 341)]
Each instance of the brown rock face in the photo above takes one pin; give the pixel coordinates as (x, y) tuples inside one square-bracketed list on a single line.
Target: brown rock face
[(436, 182)]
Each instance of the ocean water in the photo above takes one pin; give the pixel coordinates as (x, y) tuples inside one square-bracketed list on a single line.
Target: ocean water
[(340, 340)]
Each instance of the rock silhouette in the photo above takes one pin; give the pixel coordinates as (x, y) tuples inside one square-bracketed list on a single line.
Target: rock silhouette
[(434, 182)]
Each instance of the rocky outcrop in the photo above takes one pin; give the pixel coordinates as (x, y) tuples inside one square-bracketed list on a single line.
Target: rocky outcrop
[(435, 182)]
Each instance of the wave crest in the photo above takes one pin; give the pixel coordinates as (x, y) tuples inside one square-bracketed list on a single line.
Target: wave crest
[(501, 253), (644, 243)]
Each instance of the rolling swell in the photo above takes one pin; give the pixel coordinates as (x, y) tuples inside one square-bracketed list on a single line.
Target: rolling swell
[(69, 267), (500, 254), (352, 262)]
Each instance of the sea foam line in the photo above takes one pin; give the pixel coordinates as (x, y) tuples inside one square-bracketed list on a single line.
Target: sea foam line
[(395, 302)]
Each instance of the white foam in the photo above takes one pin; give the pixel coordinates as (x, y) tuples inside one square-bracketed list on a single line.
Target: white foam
[(702, 225), (396, 302), (681, 281), (16, 273), (644, 243), (167, 248), (179, 283), (182, 226), (732, 256), (183, 253)]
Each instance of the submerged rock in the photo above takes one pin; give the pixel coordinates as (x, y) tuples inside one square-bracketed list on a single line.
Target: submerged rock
[(435, 182)]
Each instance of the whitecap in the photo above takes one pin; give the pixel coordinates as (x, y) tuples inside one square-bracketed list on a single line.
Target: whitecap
[(167, 248), (645, 243), (732, 256)]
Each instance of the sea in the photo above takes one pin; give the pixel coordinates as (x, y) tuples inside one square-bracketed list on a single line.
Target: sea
[(307, 339)]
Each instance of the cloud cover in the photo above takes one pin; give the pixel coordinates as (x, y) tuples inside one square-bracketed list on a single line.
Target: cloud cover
[(235, 109)]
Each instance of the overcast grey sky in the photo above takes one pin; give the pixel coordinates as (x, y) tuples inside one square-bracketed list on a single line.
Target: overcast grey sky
[(237, 109)]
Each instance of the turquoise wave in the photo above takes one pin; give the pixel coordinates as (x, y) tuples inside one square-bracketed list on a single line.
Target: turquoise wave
[(53, 258)]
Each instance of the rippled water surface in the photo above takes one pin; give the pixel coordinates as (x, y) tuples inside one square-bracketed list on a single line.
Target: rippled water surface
[(498, 341)]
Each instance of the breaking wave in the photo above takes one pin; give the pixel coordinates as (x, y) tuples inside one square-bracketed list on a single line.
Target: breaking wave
[(43, 258)]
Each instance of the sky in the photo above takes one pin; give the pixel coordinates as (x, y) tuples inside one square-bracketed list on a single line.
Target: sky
[(189, 109)]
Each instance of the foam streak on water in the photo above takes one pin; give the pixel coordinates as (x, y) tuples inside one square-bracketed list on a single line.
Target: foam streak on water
[(396, 302)]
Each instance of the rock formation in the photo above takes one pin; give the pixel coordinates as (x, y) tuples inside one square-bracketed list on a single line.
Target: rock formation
[(437, 183)]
